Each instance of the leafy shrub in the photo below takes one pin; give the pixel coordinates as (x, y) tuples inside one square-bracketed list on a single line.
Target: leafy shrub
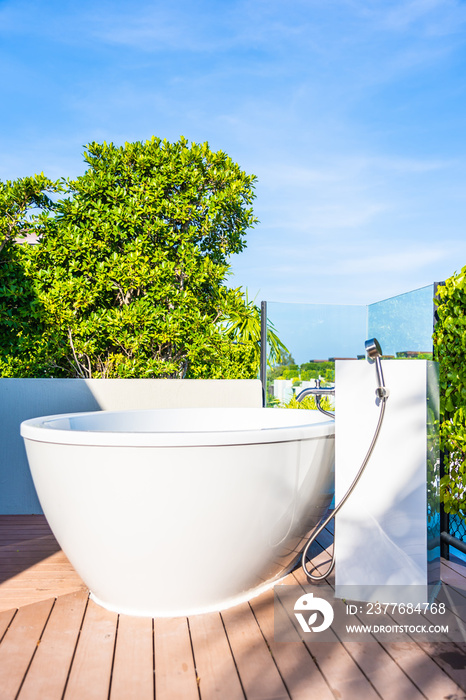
[(309, 402), (450, 351)]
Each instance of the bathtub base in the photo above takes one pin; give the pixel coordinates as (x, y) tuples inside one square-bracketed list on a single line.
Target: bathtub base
[(185, 610)]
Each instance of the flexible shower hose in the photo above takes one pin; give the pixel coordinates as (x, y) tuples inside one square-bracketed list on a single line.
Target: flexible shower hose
[(321, 577)]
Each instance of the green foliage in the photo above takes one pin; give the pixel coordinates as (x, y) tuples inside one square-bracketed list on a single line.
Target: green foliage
[(127, 279), (243, 325), (272, 401), (308, 370), (290, 373), (24, 205), (18, 202), (417, 356), (309, 402), (450, 351), (276, 371)]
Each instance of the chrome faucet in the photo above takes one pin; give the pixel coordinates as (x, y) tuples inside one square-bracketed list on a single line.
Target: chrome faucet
[(317, 392)]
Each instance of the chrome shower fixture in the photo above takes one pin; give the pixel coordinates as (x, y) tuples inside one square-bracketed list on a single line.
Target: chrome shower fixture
[(374, 353)]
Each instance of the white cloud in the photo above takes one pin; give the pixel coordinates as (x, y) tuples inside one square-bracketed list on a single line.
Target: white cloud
[(402, 260), (356, 193), (433, 17)]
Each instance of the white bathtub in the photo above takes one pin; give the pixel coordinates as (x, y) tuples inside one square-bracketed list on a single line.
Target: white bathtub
[(173, 512)]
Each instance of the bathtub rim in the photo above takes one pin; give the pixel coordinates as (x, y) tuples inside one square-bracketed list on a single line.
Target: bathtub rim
[(36, 429)]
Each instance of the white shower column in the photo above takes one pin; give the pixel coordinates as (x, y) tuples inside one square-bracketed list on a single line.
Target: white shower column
[(388, 532)]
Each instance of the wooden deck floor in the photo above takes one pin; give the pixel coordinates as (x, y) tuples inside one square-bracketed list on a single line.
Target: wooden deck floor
[(56, 643)]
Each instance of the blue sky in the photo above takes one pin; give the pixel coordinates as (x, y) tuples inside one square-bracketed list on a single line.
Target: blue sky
[(351, 113)]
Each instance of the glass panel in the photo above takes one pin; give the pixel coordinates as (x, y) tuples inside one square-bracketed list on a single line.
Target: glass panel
[(403, 325), (313, 334), (318, 333)]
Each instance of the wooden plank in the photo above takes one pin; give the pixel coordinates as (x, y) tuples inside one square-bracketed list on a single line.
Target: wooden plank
[(298, 669), (175, 675), (18, 598), (21, 519), (337, 665), (29, 568), (57, 561), (457, 565), (422, 670), (8, 532), (453, 577), (215, 665), (411, 660), (30, 539), (92, 664), (20, 561), (19, 645), (383, 672), (41, 544), (23, 533), (388, 675), (49, 670), (36, 558), (5, 619), (29, 534), (429, 658), (25, 516), (22, 596), (133, 666), (451, 658), (28, 542), (437, 669), (343, 675), (27, 580), (256, 667), (42, 577)]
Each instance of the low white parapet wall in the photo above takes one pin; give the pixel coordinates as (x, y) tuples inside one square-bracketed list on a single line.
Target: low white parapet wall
[(21, 399)]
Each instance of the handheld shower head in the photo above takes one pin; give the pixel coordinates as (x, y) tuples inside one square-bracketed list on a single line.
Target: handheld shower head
[(374, 353), (373, 349)]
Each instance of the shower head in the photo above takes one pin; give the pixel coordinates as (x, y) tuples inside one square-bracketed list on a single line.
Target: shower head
[(374, 353), (373, 349)]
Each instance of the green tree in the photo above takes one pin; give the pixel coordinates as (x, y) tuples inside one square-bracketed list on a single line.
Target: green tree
[(276, 371), (129, 271), (450, 351), (24, 205)]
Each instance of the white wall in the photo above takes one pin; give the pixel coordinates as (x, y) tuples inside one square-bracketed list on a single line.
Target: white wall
[(21, 399)]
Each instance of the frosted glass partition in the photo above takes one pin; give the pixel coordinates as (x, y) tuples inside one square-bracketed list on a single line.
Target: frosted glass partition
[(404, 323)]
